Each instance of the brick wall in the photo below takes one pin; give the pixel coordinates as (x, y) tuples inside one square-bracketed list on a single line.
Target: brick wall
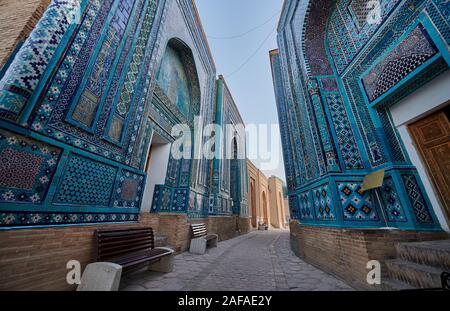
[(178, 231), (345, 252), (177, 228), (227, 227), (17, 19), (35, 259), (245, 225)]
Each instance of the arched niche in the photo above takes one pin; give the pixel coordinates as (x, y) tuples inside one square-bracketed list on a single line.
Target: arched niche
[(265, 209), (178, 79), (314, 34)]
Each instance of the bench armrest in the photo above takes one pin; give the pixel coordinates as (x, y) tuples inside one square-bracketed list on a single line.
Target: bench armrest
[(166, 249), (166, 263)]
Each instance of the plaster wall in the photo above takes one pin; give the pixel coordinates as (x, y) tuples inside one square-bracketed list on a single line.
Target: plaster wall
[(277, 213), (261, 186), (421, 103), (156, 172)]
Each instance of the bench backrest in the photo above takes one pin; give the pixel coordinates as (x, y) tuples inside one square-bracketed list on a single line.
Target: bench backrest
[(119, 243), (198, 230)]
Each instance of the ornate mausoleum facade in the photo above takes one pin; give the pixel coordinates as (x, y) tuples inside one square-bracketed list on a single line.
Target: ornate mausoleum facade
[(90, 92), (353, 84), (229, 170)]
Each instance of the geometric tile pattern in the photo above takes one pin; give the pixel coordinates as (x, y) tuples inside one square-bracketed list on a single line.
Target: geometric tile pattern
[(417, 200), (156, 198), (26, 167), (124, 103), (235, 185), (427, 74), (378, 48), (296, 144), (372, 139), (294, 208), (325, 135), (344, 132), (229, 174), (10, 218), (356, 204), (439, 12), (86, 182), (317, 60), (392, 137), (392, 205), (306, 141), (165, 203), (125, 35), (97, 75), (329, 85), (412, 52), (31, 61), (348, 31), (306, 210), (323, 204), (180, 199), (19, 169), (181, 193), (171, 200), (129, 190), (95, 99)]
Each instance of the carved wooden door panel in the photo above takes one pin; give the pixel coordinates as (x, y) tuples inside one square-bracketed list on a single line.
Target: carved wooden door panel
[(432, 137)]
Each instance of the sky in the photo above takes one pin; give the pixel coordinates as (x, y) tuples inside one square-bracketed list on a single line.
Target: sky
[(240, 35)]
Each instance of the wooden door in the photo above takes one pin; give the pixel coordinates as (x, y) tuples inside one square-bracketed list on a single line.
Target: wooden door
[(432, 138)]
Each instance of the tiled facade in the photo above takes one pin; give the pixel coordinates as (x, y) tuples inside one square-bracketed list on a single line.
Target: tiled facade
[(85, 87), (229, 177), (336, 74), (81, 97)]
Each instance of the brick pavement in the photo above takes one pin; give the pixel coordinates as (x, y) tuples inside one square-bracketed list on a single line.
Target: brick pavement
[(253, 262)]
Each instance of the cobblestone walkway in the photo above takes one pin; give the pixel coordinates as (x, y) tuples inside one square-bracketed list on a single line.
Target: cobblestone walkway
[(253, 262)]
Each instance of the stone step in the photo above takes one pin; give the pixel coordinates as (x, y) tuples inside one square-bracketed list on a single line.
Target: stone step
[(395, 285), (432, 253), (417, 275)]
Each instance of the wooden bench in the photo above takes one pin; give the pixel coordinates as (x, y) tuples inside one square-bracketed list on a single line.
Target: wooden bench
[(132, 247), (201, 239)]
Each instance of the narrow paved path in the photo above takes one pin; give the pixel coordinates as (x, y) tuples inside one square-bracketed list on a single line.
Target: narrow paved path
[(254, 262)]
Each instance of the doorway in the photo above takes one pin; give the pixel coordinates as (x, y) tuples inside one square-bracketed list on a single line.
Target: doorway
[(432, 139), (156, 168)]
